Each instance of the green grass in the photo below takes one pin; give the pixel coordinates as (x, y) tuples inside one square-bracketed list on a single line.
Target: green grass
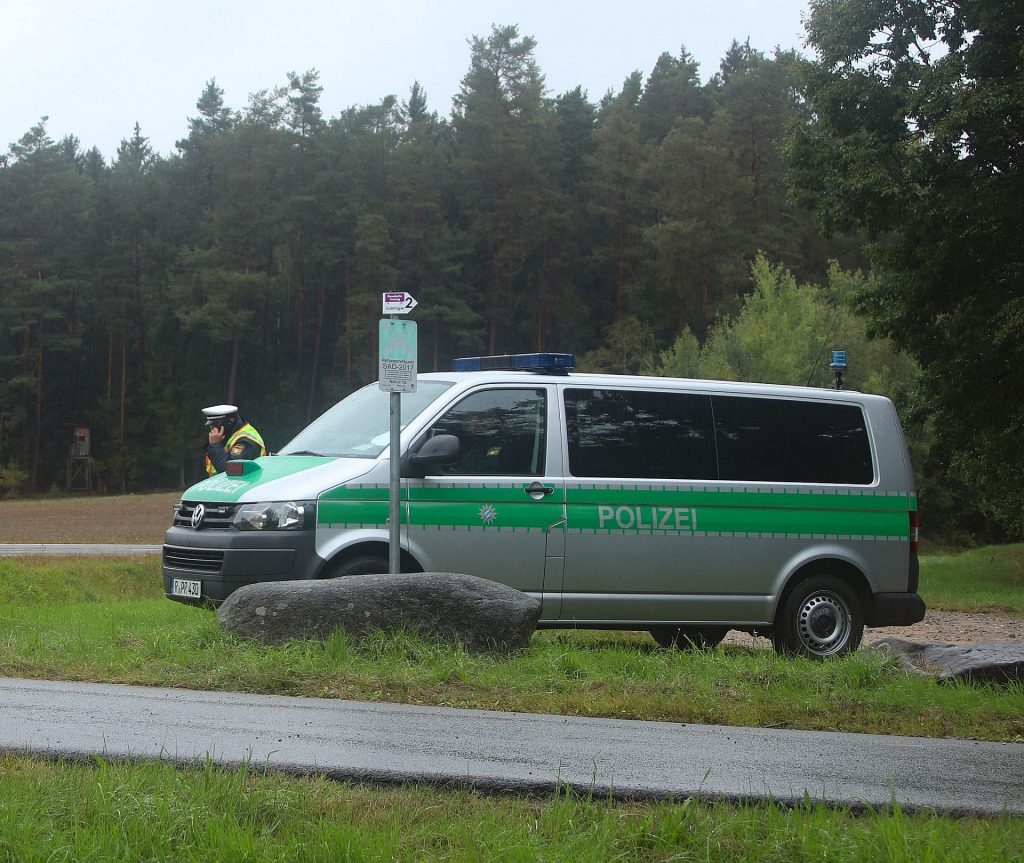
[(105, 812), (983, 579), (55, 580), (105, 620)]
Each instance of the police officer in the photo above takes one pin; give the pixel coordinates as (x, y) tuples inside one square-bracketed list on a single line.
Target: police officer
[(230, 437)]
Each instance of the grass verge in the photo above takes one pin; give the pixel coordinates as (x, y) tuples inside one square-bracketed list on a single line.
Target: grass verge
[(102, 812), (983, 579), (105, 620)]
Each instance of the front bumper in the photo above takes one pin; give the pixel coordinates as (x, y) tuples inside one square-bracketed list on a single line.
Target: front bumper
[(225, 560), (895, 609)]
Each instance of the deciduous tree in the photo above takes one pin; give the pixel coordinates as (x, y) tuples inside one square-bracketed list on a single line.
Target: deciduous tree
[(914, 133)]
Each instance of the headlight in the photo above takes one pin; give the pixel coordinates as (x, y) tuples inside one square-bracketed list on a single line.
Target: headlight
[(287, 515)]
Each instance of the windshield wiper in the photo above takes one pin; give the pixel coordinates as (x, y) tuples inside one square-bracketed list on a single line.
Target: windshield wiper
[(303, 452)]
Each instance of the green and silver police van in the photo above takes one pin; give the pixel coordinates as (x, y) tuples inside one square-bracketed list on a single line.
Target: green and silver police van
[(682, 507)]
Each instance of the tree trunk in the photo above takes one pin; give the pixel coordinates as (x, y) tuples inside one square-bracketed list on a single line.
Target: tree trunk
[(705, 286), (492, 329), (300, 300), (348, 328), (541, 305), (236, 340), (314, 366), (37, 432), (123, 423)]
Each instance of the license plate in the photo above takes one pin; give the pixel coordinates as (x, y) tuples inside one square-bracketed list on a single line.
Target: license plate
[(186, 587)]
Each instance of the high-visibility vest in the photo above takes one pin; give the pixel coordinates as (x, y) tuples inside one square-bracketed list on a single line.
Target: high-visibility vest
[(246, 431)]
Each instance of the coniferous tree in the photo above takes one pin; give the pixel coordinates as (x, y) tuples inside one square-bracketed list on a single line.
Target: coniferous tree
[(620, 206), (699, 247), (428, 250), (673, 92), (505, 188), (43, 201), (251, 261)]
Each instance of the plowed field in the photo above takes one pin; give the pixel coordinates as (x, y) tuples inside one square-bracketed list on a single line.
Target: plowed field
[(129, 518)]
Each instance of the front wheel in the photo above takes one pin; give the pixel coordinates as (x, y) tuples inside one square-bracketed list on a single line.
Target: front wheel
[(689, 637), (822, 617), (360, 564)]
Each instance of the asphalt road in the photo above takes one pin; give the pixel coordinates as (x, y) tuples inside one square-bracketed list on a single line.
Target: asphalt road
[(508, 751), (76, 548)]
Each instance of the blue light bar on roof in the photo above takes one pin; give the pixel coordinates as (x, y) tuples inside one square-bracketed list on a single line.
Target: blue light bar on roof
[(552, 364)]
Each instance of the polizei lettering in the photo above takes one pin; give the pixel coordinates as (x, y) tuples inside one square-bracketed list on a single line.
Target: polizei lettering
[(647, 518)]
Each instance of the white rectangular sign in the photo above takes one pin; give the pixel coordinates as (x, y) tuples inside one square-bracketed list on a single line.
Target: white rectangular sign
[(398, 303), (398, 349)]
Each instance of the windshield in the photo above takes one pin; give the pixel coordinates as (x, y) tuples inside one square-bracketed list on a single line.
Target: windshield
[(360, 425)]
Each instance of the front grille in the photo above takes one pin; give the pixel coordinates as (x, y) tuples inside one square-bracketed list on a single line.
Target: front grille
[(216, 516), (193, 559)]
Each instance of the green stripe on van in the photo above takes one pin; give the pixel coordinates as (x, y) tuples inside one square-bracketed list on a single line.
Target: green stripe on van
[(352, 512), (632, 509), (616, 495), (762, 512)]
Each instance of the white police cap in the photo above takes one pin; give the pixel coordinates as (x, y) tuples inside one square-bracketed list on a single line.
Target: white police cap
[(216, 412)]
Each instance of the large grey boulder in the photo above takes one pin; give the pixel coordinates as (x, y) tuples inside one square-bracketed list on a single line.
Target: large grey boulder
[(482, 615), (992, 661)]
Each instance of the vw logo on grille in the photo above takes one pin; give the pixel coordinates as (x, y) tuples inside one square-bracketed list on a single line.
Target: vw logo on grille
[(197, 515)]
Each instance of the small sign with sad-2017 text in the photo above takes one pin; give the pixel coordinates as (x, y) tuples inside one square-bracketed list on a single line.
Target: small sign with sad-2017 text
[(398, 356)]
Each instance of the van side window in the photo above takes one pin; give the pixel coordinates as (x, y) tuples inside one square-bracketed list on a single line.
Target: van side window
[(656, 435), (501, 432), (784, 440), (640, 433)]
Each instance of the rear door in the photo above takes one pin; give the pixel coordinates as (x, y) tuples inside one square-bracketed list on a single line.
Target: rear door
[(634, 546)]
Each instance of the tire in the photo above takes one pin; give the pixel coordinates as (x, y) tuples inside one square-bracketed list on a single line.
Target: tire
[(689, 637), (821, 617), (360, 564)]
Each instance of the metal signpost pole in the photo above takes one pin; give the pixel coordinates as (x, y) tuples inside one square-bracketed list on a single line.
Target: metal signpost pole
[(395, 490)]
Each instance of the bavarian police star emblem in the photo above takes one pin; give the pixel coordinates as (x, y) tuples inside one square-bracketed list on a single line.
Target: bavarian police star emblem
[(488, 514)]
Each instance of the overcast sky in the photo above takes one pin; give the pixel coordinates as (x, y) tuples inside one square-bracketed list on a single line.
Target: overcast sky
[(96, 67)]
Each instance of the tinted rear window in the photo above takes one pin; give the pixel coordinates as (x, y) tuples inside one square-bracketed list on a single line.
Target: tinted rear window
[(651, 435), (781, 440)]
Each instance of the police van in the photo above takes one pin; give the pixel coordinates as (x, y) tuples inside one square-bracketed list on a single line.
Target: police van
[(682, 507)]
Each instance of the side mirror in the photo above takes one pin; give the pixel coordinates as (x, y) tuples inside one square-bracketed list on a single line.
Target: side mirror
[(439, 450)]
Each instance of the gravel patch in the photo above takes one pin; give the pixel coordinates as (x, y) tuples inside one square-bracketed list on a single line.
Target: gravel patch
[(946, 627)]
